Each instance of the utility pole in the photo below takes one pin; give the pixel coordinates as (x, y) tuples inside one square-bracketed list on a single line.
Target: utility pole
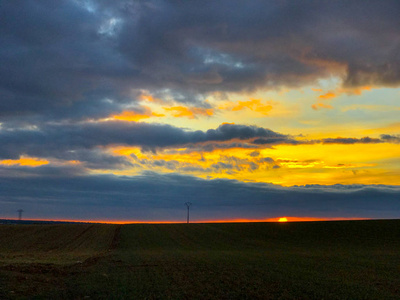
[(20, 211), (188, 204)]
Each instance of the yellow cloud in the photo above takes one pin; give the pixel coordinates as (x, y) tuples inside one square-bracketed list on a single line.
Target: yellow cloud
[(25, 161), (149, 98), (350, 91), (328, 95), (191, 113), (289, 163), (356, 91), (132, 116), (284, 164), (319, 106), (254, 105)]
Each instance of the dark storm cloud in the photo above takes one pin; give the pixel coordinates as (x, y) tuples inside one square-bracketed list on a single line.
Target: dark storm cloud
[(64, 59), (59, 140), (162, 197)]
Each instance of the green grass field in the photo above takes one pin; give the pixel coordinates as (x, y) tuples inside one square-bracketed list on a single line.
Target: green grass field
[(309, 260)]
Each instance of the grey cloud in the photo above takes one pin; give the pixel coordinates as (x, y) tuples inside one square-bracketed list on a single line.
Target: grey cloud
[(63, 60), (384, 138), (55, 140), (162, 197), (265, 43), (209, 147), (234, 164), (243, 132), (53, 58), (254, 154), (266, 160), (93, 158), (253, 166), (390, 138), (364, 140), (276, 140), (169, 164), (84, 140), (223, 166), (42, 171)]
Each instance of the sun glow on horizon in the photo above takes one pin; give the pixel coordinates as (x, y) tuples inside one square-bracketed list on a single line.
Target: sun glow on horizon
[(216, 221)]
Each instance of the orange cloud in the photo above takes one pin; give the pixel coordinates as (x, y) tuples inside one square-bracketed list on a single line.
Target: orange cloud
[(133, 116), (316, 90), (25, 161), (191, 113), (319, 106), (328, 95), (357, 91), (149, 98), (254, 105), (350, 91)]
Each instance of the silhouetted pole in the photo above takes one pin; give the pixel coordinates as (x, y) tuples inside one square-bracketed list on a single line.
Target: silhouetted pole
[(20, 214), (188, 204)]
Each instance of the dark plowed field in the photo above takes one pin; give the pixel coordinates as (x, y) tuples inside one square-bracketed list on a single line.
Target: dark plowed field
[(315, 260)]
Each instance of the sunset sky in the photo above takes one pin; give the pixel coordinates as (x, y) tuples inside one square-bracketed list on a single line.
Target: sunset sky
[(251, 110)]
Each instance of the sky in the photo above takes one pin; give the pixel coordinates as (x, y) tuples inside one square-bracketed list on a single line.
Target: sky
[(250, 110)]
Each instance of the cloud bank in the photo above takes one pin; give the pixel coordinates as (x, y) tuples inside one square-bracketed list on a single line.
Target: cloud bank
[(153, 197), (84, 141)]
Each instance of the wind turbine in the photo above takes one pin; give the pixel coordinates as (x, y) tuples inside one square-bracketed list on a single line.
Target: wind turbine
[(20, 211), (188, 204)]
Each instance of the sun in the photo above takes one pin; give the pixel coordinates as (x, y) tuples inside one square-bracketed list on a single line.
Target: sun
[(283, 219)]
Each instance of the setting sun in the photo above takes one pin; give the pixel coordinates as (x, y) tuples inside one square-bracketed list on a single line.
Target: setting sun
[(283, 219)]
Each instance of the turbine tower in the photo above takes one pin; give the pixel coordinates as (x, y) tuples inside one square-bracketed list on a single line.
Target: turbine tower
[(20, 211), (188, 204)]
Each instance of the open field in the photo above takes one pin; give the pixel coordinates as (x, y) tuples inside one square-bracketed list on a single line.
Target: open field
[(310, 260)]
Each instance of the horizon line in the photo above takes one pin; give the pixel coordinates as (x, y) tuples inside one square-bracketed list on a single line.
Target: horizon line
[(283, 219)]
